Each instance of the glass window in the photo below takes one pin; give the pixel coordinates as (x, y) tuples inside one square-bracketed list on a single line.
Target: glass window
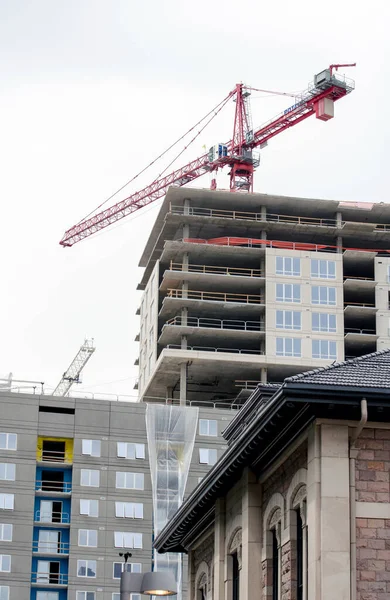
[(288, 347), (46, 595), (288, 292), (88, 537), (286, 265), (288, 319), (208, 427), (7, 501), (323, 269), (324, 349), (91, 447), (323, 322), (5, 563), (5, 532), (131, 510), (86, 568), (130, 450), (4, 592), (90, 477), (89, 507), (127, 539), (85, 595), (7, 471), (130, 481), (321, 294), (207, 456), (119, 567), (8, 441)]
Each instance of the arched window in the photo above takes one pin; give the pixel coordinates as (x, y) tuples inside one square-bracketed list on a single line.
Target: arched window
[(234, 562)]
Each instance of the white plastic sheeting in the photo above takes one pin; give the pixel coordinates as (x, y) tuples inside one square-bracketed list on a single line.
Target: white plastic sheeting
[(171, 432)]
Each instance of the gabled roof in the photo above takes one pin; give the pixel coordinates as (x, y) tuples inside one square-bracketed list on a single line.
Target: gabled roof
[(262, 433), (370, 370)]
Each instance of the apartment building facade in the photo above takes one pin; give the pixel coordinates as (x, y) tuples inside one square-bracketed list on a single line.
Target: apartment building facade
[(241, 289), (76, 490)]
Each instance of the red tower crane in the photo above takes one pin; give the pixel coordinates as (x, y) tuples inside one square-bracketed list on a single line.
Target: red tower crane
[(318, 99)]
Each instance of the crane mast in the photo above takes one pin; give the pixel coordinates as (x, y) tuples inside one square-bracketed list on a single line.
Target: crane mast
[(237, 154), (72, 374)]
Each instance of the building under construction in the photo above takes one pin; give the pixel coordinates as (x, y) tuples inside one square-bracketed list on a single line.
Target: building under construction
[(248, 288)]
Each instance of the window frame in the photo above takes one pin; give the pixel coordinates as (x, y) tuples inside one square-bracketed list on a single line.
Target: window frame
[(2, 529), (90, 471), (7, 439), (47, 592), (285, 327), (7, 588), (5, 498), (123, 565), (128, 542), (138, 454), (285, 271), (284, 342), (85, 592), (325, 274), (86, 561), (2, 556), (208, 450), (85, 443), (285, 297), (328, 288), (125, 475), (134, 509), (89, 533), (6, 465), (320, 355), (320, 328), (88, 513), (208, 421)]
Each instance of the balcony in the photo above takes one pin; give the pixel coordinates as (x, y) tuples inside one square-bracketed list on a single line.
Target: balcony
[(49, 547), (49, 579), (216, 296), (215, 270), (358, 284), (358, 310), (54, 518), (359, 341), (52, 450), (216, 349), (50, 487), (202, 329)]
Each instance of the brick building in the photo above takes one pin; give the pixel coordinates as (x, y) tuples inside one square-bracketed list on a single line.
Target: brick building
[(298, 507)]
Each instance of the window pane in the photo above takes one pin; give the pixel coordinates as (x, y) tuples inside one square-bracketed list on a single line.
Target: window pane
[(139, 481), (121, 450), (279, 265), (297, 292), (117, 570), (279, 346), (331, 269), (139, 511), (137, 540), (315, 296), (315, 321), (203, 455), (297, 320), (279, 319), (314, 268), (297, 347), (332, 350), (86, 446), (203, 429), (332, 296), (332, 322), (96, 448), (296, 266), (140, 450)]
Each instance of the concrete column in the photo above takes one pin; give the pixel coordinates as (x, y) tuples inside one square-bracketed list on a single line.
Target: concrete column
[(186, 206), (184, 289), (169, 395), (263, 375), (339, 244), (184, 318), (250, 575), (186, 231), (263, 212), (339, 220), (183, 383), (219, 549), (185, 262)]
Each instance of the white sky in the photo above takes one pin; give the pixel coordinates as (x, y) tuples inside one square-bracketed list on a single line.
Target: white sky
[(92, 90)]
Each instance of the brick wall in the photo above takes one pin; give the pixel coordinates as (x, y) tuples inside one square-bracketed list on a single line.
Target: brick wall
[(373, 535)]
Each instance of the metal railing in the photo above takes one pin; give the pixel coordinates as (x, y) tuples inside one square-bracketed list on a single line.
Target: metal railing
[(48, 547), (202, 322), (45, 485), (213, 349), (197, 211), (215, 270), (358, 278), (54, 517), (54, 456), (215, 296), (247, 384), (359, 331), (360, 304), (50, 578)]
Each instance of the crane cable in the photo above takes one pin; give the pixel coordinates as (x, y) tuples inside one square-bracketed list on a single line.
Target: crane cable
[(215, 110)]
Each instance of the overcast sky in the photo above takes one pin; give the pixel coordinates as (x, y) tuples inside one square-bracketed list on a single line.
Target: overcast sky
[(92, 90)]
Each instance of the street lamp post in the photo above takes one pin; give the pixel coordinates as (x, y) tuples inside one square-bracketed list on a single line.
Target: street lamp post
[(152, 583)]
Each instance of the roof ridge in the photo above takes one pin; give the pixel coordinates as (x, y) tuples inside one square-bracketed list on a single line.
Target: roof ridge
[(336, 365)]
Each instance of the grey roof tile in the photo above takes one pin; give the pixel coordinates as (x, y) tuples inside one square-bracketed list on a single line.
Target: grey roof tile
[(370, 370)]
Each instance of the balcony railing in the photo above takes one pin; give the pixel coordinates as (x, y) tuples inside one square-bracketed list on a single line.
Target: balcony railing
[(215, 296), (360, 331), (213, 349), (214, 270), (360, 304), (50, 547), (216, 323), (358, 278), (64, 487), (54, 517), (247, 384), (253, 216), (55, 456), (49, 578)]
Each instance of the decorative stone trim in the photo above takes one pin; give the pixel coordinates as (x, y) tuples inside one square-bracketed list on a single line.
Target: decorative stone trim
[(235, 545)]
